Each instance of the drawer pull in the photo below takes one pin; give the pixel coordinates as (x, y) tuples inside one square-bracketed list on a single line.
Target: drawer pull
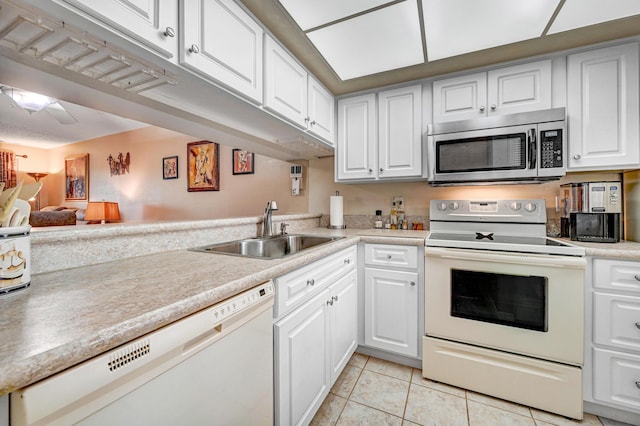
[(311, 282), (335, 298), (389, 256), (637, 277), (638, 325), (413, 283), (638, 384), (347, 261), (330, 302)]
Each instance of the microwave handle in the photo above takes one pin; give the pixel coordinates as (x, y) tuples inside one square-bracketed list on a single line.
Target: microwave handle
[(533, 154)]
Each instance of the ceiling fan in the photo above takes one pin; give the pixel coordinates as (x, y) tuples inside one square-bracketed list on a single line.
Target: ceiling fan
[(34, 102)]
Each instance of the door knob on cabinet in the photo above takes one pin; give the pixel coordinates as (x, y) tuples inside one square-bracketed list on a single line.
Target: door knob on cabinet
[(389, 256), (493, 107), (576, 157), (482, 108), (169, 32), (335, 298), (313, 122), (370, 171), (638, 384), (413, 283), (637, 277), (638, 325), (347, 261), (381, 170), (194, 49)]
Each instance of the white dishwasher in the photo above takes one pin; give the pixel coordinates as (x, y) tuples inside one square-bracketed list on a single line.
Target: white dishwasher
[(214, 367)]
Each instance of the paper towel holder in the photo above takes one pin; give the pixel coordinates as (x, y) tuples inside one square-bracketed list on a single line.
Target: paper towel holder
[(330, 226)]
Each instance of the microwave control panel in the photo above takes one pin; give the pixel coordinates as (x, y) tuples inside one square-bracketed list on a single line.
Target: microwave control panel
[(551, 148)]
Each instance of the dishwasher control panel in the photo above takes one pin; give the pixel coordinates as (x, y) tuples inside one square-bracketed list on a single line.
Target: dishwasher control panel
[(224, 310)]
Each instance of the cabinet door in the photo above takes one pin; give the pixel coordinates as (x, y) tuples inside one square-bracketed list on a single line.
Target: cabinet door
[(520, 88), (321, 111), (219, 40), (302, 351), (400, 132), (603, 107), (357, 141), (153, 23), (285, 84), (616, 321), (391, 310), (460, 98), (343, 314), (617, 379)]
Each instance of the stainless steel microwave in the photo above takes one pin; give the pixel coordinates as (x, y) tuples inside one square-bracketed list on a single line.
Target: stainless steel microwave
[(523, 147)]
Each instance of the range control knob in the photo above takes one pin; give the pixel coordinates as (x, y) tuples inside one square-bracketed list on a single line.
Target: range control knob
[(442, 206), (530, 207), (515, 206), (454, 205)]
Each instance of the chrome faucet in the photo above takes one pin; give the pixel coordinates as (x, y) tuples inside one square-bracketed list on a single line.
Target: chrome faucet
[(267, 227)]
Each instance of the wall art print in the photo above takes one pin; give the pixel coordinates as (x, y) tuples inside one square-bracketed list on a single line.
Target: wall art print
[(203, 166), (119, 165), (76, 172), (170, 167), (243, 162)]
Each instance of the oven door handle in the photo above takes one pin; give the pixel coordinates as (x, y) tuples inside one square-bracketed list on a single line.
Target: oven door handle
[(518, 258)]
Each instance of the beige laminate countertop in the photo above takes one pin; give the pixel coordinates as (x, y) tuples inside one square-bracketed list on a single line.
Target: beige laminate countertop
[(68, 316)]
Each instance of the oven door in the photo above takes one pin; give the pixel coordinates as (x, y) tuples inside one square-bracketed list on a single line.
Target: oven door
[(491, 154), (520, 303)]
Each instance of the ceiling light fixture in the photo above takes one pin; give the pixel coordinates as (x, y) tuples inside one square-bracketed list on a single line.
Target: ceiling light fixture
[(28, 101)]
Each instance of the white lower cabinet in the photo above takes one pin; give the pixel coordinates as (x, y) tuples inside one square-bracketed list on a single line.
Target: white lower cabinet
[(612, 361), (315, 340), (391, 298)]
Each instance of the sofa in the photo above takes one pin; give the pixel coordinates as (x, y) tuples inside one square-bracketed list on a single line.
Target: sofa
[(56, 216)]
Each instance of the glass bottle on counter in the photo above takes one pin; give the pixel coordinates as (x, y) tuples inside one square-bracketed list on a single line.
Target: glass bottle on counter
[(378, 220), (394, 214)]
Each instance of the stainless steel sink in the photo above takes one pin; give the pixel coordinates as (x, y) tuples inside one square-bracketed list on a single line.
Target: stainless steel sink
[(267, 248)]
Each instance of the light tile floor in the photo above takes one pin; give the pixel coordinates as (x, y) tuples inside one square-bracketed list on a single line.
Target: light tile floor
[(372, 391)]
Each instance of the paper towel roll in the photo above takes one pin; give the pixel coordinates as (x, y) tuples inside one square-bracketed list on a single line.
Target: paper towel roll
[(336, 218)]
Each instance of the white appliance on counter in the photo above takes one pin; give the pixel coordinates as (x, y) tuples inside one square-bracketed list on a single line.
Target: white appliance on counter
[(213, 367), (504, 304)]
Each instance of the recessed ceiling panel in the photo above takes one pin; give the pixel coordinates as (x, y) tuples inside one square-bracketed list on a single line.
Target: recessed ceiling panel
[(313, 13), (580, 13), (382, 40), (457, 27)]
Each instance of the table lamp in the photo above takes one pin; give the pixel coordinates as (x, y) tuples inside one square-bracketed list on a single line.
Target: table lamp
[(104, 211)]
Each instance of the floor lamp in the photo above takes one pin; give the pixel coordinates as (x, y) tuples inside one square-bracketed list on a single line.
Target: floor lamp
[(37, 177)]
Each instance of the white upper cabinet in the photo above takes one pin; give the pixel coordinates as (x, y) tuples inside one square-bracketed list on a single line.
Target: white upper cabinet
[(603, 108), (296, 95), (400, 132), (322, 112), (285, 83), (153, 23), (221, 41), (356, 152), (508, 90), (383, 141)]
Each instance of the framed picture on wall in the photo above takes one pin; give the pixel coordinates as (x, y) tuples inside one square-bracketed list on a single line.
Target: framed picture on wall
[(243, 162), (170, 167), (203, 166), (76, 172)]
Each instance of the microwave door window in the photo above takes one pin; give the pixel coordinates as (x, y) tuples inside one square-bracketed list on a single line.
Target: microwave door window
[(504, 152)]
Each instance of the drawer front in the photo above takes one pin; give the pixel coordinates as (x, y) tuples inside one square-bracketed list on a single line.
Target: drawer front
[(616, 379), (621, 275), (616, 321), (298, 286), (391, 255)]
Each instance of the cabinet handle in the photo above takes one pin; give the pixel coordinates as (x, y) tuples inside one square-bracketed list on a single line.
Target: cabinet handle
[(389, 256), (335, 298), (194, 49), (638, 325), (347, 261), (169, 32), (638, 384), (330, 302), (482, 108), (370, 171), (576, 157), (413, 283), (311, 282), (637, 277), (493, 107), (381, 170), (313, 122), (306, 119)]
